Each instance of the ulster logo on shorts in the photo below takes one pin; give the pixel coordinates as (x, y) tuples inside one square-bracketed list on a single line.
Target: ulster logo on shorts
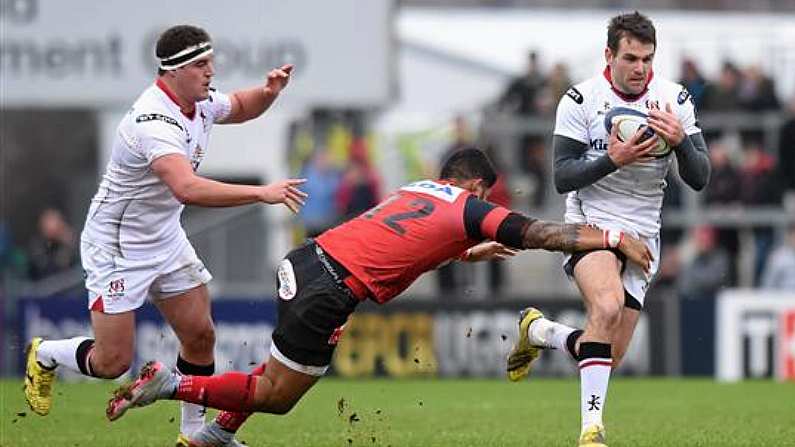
[(287, 285), (116, 288)]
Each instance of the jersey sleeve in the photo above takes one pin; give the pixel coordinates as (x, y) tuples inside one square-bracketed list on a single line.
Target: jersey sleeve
[(157, 135), (482, 219), (219, 106), (570, 119), (686, 112)]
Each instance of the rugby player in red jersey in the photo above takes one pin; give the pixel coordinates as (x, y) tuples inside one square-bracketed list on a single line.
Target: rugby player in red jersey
[(375, 256)]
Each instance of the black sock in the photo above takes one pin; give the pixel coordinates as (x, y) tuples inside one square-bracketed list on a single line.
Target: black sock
[(571, 344), (592, 349), (190, 369), (83, 360)]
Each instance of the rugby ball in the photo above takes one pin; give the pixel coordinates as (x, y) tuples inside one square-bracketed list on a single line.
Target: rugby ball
[(630, 121)]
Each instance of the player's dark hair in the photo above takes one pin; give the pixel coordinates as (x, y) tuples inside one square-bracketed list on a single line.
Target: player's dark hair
[(176, 39), (634, 25), (467, 164)]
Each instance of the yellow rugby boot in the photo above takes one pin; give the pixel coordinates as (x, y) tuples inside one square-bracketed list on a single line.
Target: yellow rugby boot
[(38, 381), (593, 436), (523, 352)]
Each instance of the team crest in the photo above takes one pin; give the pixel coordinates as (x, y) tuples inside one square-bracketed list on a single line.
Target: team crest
[(116, 288), (196, 157)]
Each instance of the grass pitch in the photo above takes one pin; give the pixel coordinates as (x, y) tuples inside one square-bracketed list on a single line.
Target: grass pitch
[(455, 413)]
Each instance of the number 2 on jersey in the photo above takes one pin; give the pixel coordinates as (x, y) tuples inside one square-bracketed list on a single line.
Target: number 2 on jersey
[(424, 208)]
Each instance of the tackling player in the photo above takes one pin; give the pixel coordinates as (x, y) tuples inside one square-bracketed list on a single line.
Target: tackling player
[(133, 247), (375, 256), (617, 186)]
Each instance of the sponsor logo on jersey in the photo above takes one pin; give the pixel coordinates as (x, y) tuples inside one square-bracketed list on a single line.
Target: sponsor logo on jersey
[(575, 95), (653, 104), (599, 144), (448, 193), (683, 96), (288, 286), (157, 117)]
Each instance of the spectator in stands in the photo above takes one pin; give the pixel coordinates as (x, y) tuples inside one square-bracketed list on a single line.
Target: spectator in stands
[(759, 186), (723, 96), (322, 181), (12, 259), (54, 248), (757, 92), (723, 187), (523, 98), (556, 85), (780, 270), (724, 190), (521, 95), (693, 81), (707, 272), (786, 149), (462, 138), (360, 188)]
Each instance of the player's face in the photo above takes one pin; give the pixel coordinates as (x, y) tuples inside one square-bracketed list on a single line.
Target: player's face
[(195, 78), (631, 65)]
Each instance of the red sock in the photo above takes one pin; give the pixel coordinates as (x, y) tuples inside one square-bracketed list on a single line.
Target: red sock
[(231, 391), (231, 421)]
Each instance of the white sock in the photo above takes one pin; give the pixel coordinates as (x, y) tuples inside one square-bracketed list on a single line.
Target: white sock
[(54, 353), (191, 418), (595, 365), (549, 334)]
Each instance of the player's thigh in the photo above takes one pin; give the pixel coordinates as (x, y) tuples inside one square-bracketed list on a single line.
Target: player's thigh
[(598, 276), (188, 314), (182, 297), (114, 340), (281, 387)]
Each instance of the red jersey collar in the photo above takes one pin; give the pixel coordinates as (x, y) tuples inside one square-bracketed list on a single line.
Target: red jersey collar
[(627, 96), (162, 85)]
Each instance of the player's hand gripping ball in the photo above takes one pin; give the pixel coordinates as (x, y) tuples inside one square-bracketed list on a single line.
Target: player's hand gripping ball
[(630, 121)]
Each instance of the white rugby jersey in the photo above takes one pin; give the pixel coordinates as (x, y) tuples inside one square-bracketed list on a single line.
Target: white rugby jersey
[(629, 198), (134, 214)]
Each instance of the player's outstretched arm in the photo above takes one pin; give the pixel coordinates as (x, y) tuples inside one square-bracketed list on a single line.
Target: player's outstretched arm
[(191, 189), (556, 236), (251, 103)]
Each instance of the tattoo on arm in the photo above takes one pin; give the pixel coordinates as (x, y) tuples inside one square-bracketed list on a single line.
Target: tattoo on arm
[(552, 236)]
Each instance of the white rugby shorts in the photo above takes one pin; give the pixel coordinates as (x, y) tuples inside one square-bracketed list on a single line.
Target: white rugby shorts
[(116, 284), (636, 282)]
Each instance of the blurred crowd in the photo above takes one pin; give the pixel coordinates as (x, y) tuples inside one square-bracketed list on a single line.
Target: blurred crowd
[(51, 250), (333, 151), (335, 157)]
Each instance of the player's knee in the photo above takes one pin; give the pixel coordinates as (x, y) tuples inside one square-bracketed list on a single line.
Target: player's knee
[(606, 313), (112, 366), (281, 406), (203, 341)]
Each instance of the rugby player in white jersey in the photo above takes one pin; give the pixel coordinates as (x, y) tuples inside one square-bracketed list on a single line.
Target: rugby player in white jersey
[(133, 247), (618, 186)]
